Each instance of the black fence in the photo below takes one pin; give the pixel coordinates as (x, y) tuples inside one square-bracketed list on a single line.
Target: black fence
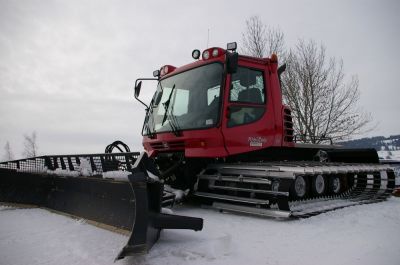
[(82, 165)]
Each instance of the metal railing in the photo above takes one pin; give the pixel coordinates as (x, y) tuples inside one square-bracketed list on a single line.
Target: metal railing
[(82, 164), (301, 138)]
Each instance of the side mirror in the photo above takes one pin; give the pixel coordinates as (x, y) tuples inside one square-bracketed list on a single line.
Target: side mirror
[(281, 69), (232, 62), (137, 89)]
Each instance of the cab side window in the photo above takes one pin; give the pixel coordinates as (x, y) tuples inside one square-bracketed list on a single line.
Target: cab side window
[(247, 86), (247, 96)]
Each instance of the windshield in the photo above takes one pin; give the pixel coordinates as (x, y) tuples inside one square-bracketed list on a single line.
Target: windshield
[(189, 100)]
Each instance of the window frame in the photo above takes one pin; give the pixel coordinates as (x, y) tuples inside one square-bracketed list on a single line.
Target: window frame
[(243, 104)]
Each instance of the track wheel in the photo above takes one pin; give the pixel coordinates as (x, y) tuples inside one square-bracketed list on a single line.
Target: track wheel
[(335, 185), (319, 185), (299, 188)]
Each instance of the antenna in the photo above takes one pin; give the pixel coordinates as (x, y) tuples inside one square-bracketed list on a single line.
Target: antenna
[(208, 36)]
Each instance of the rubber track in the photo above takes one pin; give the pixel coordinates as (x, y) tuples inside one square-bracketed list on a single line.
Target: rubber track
[(374, 183)]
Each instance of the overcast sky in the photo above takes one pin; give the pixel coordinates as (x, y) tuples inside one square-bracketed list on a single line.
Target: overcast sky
[(67, 68)]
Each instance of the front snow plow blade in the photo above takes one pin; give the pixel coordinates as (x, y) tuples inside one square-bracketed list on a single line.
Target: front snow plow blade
[(114, 191)]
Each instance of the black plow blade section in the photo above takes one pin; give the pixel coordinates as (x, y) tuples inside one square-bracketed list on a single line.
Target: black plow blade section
[(95, 199), (133, 203)]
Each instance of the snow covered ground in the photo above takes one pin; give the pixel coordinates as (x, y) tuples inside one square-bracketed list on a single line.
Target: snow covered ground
[(394, 154), (367, 234)]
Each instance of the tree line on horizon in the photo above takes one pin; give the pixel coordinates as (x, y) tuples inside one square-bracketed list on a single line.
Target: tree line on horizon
[(30, 147), (391, 143)]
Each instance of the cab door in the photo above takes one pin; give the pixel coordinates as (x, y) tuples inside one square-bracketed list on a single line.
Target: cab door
[(248, 122)]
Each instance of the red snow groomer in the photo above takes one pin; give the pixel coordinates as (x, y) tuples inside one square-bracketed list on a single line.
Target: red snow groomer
[(218, 128)]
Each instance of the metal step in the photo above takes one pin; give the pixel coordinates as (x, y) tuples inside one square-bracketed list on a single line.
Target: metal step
[(251, 210), (231, 198), (249, 190)]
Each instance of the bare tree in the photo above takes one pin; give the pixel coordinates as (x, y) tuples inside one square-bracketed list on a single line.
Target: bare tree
[(30, 146), (260, 40), (8, 154), (323, 104)]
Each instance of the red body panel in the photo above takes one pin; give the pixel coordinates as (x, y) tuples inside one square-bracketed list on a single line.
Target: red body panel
[(223, 141), (195, 143)]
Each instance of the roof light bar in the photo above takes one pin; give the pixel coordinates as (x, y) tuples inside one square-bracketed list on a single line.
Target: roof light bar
[(166, 69), (206, 55), (213, 53)]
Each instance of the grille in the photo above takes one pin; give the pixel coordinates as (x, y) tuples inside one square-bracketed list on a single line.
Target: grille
[(168, 145), (287, 125)]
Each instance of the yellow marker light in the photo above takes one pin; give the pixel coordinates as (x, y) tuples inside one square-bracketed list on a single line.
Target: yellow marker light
[(274, 58)]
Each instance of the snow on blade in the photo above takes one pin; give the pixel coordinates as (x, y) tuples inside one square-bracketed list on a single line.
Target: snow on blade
[(85, 168), (167, 210), (63, 172), (117, 174), (179, 194), (151, 175)]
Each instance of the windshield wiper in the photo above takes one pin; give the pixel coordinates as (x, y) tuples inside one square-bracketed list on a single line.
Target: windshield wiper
[(168, 114), (146, 124), (166, 105), (149, 129), (174, 123)]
